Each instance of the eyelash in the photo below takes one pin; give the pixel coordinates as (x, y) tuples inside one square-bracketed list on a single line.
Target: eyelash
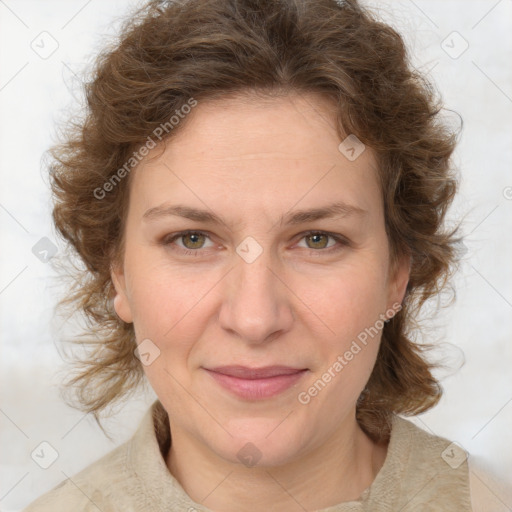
[(168, 240)]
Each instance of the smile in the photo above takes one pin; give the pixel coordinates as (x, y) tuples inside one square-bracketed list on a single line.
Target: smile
[(256, 383)]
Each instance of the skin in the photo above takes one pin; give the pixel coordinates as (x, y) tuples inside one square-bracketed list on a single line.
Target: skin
[(298, 304)]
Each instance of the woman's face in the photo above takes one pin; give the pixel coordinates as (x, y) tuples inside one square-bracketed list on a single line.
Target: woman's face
[(250, 287)]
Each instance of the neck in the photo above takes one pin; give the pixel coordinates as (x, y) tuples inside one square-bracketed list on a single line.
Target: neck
[(340, 470)]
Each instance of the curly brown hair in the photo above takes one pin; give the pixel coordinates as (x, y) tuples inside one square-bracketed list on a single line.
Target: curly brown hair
[(170, 52)]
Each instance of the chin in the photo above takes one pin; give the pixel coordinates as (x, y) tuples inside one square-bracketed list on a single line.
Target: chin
[(259, 442)]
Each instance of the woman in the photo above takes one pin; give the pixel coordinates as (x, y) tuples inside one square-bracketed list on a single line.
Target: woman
[(258, 193)]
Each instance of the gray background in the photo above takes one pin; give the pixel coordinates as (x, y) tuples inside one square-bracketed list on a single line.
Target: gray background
[(474, 335)]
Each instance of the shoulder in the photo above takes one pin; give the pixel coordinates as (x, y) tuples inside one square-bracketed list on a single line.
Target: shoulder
[(428, 450), (117, 481), (131, 478), (88, 490), (489, 489), (424, 471)]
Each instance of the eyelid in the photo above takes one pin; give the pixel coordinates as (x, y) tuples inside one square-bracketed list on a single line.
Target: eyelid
[(169, 239), (337, 237), (340, 239)]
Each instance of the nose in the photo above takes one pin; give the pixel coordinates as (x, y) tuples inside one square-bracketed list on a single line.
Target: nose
[(256, 303)]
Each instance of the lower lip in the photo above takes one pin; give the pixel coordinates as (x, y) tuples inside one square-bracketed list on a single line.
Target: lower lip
[(257, 389)]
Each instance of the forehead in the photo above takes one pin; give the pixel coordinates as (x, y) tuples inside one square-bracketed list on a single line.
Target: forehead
[(257, 154), (253, 126)]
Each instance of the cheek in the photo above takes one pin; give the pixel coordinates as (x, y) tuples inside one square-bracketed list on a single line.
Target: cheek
[(349, 306), (347, 353), (167, 303), (168, 310), (347, 301)]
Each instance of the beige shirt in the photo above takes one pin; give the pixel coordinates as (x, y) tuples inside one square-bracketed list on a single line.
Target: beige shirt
[(421, 472)]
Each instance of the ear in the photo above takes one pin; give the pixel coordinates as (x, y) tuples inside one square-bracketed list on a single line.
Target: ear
[(399, 278), (121, 300)]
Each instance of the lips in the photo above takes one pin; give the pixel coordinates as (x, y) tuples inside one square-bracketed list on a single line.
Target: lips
[(243, 372), (256, 383)]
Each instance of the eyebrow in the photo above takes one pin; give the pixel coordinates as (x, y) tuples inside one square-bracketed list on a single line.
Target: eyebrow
[(338, 209)]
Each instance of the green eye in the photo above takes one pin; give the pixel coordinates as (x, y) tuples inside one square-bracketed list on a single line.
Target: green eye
[(319, 240), (192, 242), (196, 240)]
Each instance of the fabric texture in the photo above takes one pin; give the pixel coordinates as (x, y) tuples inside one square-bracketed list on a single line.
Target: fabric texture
[(421, 472)]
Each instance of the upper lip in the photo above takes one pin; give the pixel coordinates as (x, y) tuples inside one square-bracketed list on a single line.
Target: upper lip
[(243, 372)]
